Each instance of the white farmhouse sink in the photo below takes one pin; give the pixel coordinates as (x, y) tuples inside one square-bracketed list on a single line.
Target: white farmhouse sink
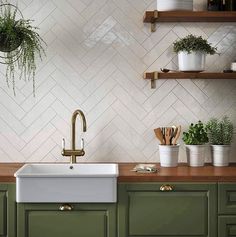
[(96, 183)]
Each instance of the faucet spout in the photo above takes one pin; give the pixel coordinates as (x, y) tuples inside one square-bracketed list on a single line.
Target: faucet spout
[(73, 153), (73, 122)]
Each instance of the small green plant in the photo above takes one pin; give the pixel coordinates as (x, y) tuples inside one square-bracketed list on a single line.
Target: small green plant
[(196, 134), (20, 44), (220, 131), (193, 43)]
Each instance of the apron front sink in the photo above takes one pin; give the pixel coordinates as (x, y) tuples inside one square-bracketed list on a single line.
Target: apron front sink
[(78, 183)]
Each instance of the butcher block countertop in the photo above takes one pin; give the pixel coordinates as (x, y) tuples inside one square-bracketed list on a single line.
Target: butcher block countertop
[(182, 173)]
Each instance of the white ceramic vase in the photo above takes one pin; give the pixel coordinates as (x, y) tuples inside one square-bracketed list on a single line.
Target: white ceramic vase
[(169, 155), (220, 155), (194, 61), (174, 5), (196, 155)]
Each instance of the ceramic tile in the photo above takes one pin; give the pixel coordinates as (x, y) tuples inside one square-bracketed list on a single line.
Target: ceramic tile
[(97, 52)]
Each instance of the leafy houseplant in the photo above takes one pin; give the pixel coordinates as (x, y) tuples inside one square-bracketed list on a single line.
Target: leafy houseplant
[(196, 134), (192, 51), (220, 136), (20, 44), (220, 131), (195, 140)]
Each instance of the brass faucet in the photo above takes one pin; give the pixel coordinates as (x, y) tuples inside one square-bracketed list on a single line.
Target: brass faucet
[(73, 153)]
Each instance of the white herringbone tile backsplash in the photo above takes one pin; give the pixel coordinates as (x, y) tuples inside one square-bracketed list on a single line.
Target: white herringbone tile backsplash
[(97, 51)]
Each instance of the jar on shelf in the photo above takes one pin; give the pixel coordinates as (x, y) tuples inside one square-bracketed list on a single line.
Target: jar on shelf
[(213, 5), (230, 5), (221, 5)]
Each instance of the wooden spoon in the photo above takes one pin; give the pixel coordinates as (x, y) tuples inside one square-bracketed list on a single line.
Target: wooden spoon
[(174, 141), (168, 135), (159, 135)]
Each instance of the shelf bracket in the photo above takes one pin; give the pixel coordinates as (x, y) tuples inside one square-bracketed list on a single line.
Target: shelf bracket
[(153, 80), (153, 76), (153, 23)]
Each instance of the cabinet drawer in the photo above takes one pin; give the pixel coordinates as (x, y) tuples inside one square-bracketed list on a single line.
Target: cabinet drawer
[(227, 198), (227, 226), (188, 210)]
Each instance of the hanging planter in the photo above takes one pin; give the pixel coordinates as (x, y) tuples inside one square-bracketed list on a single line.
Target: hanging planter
[(7, 45), (20, 44)]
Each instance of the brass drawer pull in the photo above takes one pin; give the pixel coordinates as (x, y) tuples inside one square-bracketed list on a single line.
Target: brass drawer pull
[(66, 207), (166, 187)]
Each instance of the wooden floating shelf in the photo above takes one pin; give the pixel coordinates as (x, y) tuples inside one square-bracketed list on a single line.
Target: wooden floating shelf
[(190, 16), (153, 76)]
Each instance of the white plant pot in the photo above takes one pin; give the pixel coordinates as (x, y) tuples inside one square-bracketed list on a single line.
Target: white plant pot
[(174, 5), (220, 155), (169, 155), (196, 155), (194, 61)]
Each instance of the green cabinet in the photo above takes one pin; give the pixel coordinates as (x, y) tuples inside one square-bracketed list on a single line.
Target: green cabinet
[(227, 209), (227, 226), (143, 210), (190, 209), (84, 220), (7, 210), (227, 198)]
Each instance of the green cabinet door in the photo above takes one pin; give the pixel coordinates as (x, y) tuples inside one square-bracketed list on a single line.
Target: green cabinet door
[(188, 210), (227, 226), (227, 198), (7, 210), (85, 220)]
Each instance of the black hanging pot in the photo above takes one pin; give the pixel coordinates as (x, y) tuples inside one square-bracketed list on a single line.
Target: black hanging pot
[(8, 45)]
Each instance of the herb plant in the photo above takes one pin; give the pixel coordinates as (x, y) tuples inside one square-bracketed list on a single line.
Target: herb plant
[(20, 43), (220, 131), (193, 43), (196, 134)]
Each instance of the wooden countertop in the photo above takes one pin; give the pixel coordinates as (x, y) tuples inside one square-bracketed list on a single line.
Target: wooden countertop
[(7, 171), (182, 173)]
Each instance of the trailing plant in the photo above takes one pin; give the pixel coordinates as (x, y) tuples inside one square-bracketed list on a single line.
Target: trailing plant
[(220, 131), (196, 134), (193, 43), (21, 44)]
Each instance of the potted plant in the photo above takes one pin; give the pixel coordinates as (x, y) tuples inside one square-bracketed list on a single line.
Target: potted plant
[(20, 44), (195, 140), (174, 5), (220, 137), (192, 51)]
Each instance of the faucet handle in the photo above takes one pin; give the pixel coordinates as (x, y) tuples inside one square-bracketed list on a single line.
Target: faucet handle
[(63, 144), (82, 143)]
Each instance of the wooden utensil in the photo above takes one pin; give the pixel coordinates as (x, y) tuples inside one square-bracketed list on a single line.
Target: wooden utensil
[(163, 130), (168, 133), (174, 141), (173, 133), (159, 135)]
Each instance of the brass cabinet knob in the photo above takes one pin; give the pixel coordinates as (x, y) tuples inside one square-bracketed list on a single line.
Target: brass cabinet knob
[(166, 187), (66, 207)]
